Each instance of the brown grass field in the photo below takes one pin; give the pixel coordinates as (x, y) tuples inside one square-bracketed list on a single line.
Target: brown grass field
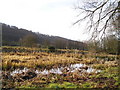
[(32, 68)]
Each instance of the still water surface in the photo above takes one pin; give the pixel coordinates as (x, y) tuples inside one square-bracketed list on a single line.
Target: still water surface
[(60, 70)]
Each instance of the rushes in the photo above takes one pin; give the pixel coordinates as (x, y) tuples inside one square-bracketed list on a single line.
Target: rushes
[(35, 59), (44, 59)]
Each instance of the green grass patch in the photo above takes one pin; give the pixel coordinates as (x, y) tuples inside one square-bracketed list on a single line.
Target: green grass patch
[(64, 85)]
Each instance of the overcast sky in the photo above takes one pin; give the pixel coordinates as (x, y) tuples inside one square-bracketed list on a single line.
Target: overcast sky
[(52, 17)]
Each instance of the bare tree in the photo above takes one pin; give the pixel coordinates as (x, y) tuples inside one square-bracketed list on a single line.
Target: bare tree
[(99, 16), (29, 40)]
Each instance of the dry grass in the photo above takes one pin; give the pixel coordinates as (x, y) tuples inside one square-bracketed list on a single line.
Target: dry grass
[(49, 60), (33, 60), (40, 60)]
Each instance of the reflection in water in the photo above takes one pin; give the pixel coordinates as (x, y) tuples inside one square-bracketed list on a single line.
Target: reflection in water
[(19, 71), (77, 65), (70, 68)]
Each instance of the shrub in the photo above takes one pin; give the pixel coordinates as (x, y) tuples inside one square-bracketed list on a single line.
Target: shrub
[(51, 49)]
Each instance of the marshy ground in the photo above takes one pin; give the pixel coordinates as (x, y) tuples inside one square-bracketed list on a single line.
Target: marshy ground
[(35, 68)]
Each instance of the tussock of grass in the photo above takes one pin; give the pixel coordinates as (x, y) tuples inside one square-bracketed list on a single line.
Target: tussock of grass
[(20, 57)]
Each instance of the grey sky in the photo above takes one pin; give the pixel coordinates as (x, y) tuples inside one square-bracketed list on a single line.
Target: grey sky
[(52, 17)]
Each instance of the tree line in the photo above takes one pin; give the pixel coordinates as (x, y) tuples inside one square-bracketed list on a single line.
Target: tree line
[(14, 36)]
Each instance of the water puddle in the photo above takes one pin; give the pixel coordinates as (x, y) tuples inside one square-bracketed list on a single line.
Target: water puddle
[(60, 70), (18, 71)]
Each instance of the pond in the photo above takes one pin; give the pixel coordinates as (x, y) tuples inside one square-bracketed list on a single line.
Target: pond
[(59, 70)]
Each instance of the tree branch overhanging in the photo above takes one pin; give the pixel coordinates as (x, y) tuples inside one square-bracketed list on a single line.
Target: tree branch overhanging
[(99, 16)]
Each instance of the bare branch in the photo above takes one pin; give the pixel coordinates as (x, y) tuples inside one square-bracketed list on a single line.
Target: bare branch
[(97, 14)]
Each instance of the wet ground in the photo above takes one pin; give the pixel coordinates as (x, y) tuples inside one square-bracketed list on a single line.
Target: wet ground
[(71, 68)]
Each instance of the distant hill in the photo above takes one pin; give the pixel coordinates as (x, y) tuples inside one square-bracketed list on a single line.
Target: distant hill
[(11, 36)]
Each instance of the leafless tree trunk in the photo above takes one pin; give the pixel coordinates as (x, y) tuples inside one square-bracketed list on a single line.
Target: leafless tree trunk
[(119, 29)]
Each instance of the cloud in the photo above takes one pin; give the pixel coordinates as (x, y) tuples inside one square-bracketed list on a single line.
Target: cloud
[(53, 17)]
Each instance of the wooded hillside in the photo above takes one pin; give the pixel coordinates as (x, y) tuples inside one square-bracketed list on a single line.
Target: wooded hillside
[(12, 35)]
